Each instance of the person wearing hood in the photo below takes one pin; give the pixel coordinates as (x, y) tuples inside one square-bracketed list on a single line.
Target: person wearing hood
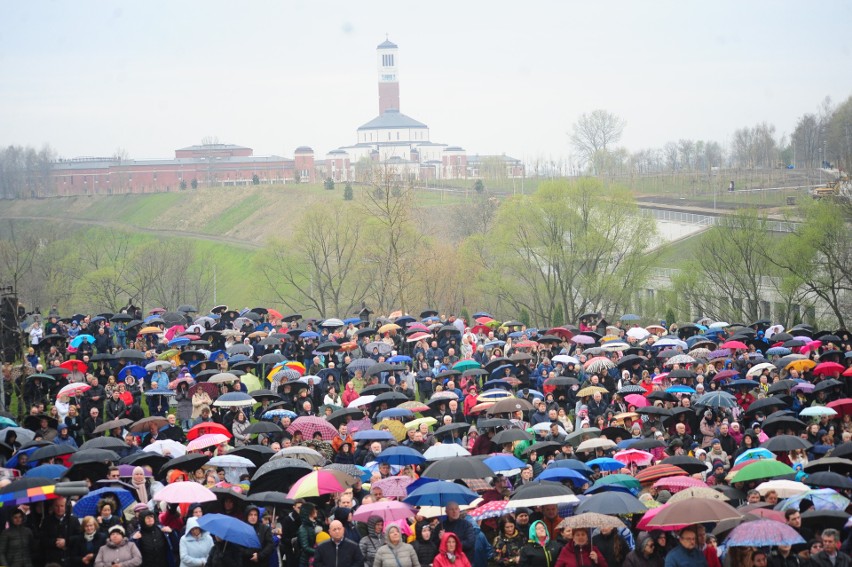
[(338, 550), (450, 553), (643, 555), (254, 557), (344, 516), (118, 551), (373, 540), (539, 550), (395, 553), (580, 551), (195, 545), (307, 534), (425, 546), (151, 541)]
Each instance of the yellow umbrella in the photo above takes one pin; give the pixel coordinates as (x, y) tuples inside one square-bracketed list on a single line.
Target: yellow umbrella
[(251, 381), (169, 354), (151, 331), (396, 428), (390, 327), (415, 423), (589, 390), (802, 365)]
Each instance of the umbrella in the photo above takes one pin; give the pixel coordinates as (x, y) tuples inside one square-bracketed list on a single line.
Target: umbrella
[(400, 455), (752, 454), (51, 451), (93, 456), (656, 472), (615, 503), (782, 443), (26, 490), (591, 520), (764, 468), (592, 444), (184, 493), (393, 486), (697, 492), (388, 510), (598, 364), (685, 513), (542, 493), (505, 464), (510, 436), (822, 498), (833, 464), (144, 424), (492, 509), (279, 475), (207, 428), (187, 463), (320, 482), (623, 480), (763, 533), (263, 427), (88, 505), (110, 443), (114, 424), (309, 425), (632, 456), (827, 479), (234, 400), (456, 468), (440, 493), (445, 451), (784, 488), (606, 464), (230, 529), (207, 440), (560, 474), (47, 472), (690, 464), (310, 456)]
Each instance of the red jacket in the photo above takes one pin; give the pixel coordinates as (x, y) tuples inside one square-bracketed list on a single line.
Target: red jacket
[(441, 559), (572, 556)]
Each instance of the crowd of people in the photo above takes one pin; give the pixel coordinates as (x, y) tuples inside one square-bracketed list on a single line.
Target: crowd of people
[(255, 438)]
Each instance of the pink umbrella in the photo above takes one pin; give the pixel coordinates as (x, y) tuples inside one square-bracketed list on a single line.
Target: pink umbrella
[(73, 390), (208, 440), (734, 345), (393, 486), (583, 340), (634, 457), (678, 483), (637, 400), (493, 509), (184, 493), (172, 332), (389, 510), (649, 515), (308, 425), (813, 345)]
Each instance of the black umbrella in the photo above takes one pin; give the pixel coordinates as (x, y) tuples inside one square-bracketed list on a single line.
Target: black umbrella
[(374, 390), (86, 456), (391, 398), (110, 443), (661, 396), (33, 422), (449, 428), (773, 426), (689, 464), (830, 464), (187, 463), (827, 385), (630, 360), (781, 386), (112, 424), (380, 367), (257, 454), (681, 373), (492, 423), (102, 357), (446, 374), (51, 451), (822, 519), (340, 415), (56, 371), (119, 317), (631, 389), (271, 358), (543, 448), (497, 362), (509, 405), (645, 444), (274, 499), (613, 503), (279, 475), (145, 458), (568, 381), (826, 479), (763, 404), (130, 354), (540, 493), (262, 394), (612, 433), (510, 436), (263, 427), (782, 443), (458, 467), (654, 410)]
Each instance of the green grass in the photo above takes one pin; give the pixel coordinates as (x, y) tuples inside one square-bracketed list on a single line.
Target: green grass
[(234, 215)]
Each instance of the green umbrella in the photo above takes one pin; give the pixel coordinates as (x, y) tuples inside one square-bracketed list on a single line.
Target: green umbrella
[(468, 364), (624, 480), (762, 469)]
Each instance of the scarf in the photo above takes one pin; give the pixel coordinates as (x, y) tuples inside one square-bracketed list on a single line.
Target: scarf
[(141, 487), (89, 537)]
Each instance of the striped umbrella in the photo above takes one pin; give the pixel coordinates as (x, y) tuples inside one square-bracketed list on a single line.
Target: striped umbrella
[(27, 490), (656, 472), (207, 440), (320, 482)]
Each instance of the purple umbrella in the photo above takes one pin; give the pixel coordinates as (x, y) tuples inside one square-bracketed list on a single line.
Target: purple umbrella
[(721, 353), (763, 533), (583, 340)]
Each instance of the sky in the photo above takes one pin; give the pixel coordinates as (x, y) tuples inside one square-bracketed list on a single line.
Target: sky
[(92, 77)]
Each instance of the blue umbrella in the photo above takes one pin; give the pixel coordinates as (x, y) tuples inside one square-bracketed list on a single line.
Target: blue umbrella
[(215, 354), (422, 481), (399, 358), (758, 453), (179, 341), (573, 464), (606, 464), (440, 493), (431, 320), (718, 399), (533, 393), (229, 529), (309, 335), (495, 343), (373, 435), (516, 334), (88, 505), (482, 314), (741, 383), (560, 474), (497, 384), (134, 370), (160, 393), (13, 462), (50, 472), (401, 455), (395, 412), (779, 350), (78, 340), (680, 390), (279, 413), (7, 422), (499, 463), (352, 320), (500, 369)]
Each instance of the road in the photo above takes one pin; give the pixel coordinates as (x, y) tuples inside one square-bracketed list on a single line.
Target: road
[(248, 244)]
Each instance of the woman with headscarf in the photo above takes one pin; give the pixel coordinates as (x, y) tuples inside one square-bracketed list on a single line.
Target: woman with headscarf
[(397, 553), (539, 550)]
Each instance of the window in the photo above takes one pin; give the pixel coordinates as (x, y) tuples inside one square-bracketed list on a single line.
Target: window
[(387, 60)]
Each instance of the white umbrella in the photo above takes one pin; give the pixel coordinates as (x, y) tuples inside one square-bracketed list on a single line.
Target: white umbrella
[(158, 365), (638, 333), (671, 343), (331, 323), (445, 451), (680, 359), (234, 466), (719, 325), (565, 359), (361, 401), (758, 369), (166, 447), (784, 488), (597, 443), (310, 456), (544, 427)]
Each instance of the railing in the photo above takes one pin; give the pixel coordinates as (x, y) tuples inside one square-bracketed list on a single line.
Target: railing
[(708, 220)]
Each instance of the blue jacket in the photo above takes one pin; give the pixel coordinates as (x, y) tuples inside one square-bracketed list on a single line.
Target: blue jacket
[(680, 557)]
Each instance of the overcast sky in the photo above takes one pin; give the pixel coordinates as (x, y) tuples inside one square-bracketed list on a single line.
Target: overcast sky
[(494, 77)]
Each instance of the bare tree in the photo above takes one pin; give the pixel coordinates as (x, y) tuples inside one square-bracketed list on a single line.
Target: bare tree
[(596, 132)]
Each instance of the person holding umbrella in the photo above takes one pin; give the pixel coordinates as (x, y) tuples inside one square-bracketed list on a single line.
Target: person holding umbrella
[(580, 551)]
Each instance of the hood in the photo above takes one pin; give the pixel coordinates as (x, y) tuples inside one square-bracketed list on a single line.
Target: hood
[(418, 531), (306, 511), (191, 522), (142, 515), (641, 541), (444, 538), (342, 515), (371, 525), (532, 531)]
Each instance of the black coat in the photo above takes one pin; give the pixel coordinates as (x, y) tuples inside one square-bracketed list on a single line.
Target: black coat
[(153, 545), (344, 554), (79, 547), (533, 555)]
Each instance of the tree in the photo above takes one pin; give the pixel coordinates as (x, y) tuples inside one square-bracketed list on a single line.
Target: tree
[(194, 183), (579, 245), (329, 184), (478, 186), (838, 141), (348, 195), (183, 184), (255, 179), (596, 132), (322, 266)]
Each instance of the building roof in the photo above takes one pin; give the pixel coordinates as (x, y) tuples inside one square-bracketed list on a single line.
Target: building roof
[(106, 163), (504, 158), (209, 147), (453, 149), (387, 44), (392, 118), (304, 149)]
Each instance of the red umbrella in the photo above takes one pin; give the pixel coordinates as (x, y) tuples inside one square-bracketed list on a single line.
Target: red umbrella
[(526, 344), (206, 429), (560, 332), (734, 345), (634, 456), (74, 366), (765, 513), (848, 372), (493, 509), (828, 369), (309, 425), (724, 375), (842, 406), (656, 472)]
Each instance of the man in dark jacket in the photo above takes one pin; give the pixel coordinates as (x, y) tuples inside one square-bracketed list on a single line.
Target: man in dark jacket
[(257, 557), (56, 531), (831, 556), (686, 554), (459, 526), (115, 406), (338, 551)]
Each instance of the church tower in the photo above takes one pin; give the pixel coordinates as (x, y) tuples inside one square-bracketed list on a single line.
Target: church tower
[(388, 79)]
